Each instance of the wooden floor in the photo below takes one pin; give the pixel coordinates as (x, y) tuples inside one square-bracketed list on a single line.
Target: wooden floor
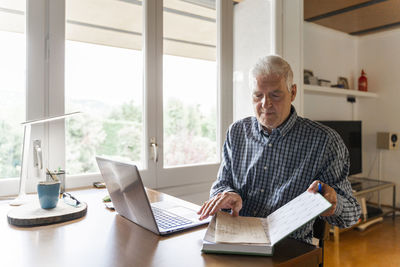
[(378, 245)]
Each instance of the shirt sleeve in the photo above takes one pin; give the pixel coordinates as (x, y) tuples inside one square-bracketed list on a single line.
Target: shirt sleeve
[(335, 172), (224, 181)]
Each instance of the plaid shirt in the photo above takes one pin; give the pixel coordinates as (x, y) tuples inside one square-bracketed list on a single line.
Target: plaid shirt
[(269, 170)]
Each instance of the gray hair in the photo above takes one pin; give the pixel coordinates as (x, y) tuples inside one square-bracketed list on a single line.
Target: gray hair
[(268, 65)]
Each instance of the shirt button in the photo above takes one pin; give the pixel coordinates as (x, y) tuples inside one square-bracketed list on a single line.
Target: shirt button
[(262, 190), (265, 167), (270, 145), (254, 213)]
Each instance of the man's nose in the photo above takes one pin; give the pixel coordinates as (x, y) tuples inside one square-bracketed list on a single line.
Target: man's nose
[(266, 102)]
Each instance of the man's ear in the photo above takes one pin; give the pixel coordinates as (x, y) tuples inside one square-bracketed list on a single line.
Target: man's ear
[(293, 92)]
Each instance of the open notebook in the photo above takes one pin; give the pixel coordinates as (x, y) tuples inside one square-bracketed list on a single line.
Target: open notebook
[(231, 237)]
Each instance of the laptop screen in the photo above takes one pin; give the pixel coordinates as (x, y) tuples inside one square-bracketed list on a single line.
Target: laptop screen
[(127, 192)]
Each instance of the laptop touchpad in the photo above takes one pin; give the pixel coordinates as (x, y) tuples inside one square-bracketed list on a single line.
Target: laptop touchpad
[(176, 209), (182, 211)]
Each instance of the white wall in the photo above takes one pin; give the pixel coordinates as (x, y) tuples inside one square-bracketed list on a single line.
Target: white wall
[(329, 54), (379, 55), (263, 27), (292, 44)]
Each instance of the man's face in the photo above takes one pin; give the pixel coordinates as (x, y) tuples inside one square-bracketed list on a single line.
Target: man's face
[(272, 100)]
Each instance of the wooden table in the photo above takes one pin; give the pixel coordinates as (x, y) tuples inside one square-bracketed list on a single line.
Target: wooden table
[(104, 238)]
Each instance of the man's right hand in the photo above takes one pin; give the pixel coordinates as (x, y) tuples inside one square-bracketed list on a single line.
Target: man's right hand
[(225, 200)]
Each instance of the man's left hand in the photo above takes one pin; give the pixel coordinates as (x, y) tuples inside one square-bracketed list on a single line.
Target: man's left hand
[(329, 194)]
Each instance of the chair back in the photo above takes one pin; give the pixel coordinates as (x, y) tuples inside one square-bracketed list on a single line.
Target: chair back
[(319, 229), (321, 232)]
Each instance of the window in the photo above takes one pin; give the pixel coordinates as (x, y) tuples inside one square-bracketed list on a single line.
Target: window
[(103, 79), (190, 83), (136, 78), (12, 85)]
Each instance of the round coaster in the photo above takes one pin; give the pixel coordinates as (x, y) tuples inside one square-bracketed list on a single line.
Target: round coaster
[(32, 214)]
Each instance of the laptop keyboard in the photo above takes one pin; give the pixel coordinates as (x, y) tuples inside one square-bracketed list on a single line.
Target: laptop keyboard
[(166, 221)]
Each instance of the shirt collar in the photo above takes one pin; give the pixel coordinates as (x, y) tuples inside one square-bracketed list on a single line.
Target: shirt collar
[(285, 127)]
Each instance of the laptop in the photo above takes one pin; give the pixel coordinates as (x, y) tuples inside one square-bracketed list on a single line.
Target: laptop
[(129, 198)]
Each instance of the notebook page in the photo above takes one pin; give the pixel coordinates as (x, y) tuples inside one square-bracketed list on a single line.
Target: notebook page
[(210, 233), (294, 214), (239, 229)]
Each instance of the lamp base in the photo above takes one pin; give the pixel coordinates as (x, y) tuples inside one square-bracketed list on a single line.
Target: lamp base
[(20, 200)]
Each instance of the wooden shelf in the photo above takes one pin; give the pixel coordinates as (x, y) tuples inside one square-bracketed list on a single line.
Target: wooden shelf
[(314, 89)]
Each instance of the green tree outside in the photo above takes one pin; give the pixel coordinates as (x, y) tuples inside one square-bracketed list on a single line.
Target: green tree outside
[(190, 138)]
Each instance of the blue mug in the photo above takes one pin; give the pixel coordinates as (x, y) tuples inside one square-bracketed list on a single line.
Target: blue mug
[(48, 194)]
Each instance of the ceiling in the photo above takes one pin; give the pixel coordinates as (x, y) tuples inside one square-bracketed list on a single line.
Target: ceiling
[(189, 26), (355, 17)]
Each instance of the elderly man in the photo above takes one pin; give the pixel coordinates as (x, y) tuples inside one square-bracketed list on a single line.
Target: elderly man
[(270, 159)]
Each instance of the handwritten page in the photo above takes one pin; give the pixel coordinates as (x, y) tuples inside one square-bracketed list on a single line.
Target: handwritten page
[(210, 233), (239, 229), (294, 214)]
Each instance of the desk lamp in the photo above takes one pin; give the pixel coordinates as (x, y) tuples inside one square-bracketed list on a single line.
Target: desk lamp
[(21, 198)]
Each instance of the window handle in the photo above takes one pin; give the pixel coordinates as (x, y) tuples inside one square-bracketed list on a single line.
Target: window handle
[(37, 154), (154, 145)]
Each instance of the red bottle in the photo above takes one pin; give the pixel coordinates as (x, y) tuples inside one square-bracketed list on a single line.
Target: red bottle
[(362, 82)]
